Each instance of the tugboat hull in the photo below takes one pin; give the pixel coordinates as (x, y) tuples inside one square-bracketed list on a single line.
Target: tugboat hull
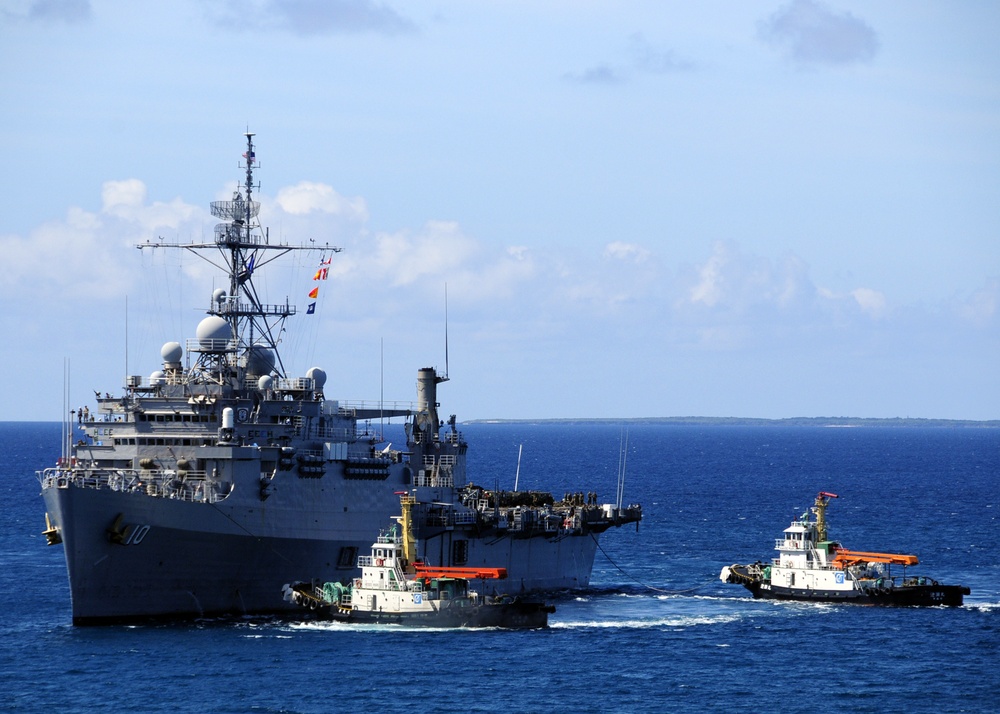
[(928, 593), (509, 615)]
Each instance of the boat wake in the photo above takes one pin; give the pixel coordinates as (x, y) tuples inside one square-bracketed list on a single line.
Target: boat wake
[(983, 606), (333, 626), (676, 622)]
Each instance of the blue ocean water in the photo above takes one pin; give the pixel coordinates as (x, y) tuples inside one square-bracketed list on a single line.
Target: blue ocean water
[(656, 632)]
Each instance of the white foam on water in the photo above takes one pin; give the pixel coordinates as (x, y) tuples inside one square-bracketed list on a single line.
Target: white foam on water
[(681, 621)]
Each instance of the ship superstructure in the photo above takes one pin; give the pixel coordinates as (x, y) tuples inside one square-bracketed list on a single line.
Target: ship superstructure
[(202, 489)]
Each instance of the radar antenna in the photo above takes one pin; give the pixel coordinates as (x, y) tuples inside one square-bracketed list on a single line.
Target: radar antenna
[(245, 248)]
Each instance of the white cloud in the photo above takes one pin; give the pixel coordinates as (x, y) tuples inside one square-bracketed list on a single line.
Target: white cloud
[(437, 254), (732, 281), (307, 196), (70, 12), (632, 252), (127, 194), (871, 302), (812, 33), (642, 58), (95, 247), (312, 17), (515, 302), (598, 74), (736, 299), (647, 58), (983, 306), (518, 252), (710, 288)]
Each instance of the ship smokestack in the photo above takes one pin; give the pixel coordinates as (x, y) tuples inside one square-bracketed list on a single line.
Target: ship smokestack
[(427, 381)]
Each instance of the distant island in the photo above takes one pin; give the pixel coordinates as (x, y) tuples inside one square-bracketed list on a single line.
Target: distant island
[(748, 421)]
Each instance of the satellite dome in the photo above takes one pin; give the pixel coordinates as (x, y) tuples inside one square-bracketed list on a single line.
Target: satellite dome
[(171, 352), (260, 359), (157, 378), (212, 331), (318, 377), (264, 383), (219, 296)]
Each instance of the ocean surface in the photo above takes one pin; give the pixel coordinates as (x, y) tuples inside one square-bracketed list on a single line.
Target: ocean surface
[(656, 632)]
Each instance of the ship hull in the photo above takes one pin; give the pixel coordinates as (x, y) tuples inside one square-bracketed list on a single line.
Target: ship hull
[(133, 558)]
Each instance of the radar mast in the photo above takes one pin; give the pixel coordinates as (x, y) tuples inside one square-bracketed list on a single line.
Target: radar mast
[(245, 248)]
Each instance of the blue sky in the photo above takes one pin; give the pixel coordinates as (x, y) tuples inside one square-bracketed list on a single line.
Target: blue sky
[(765, 209)]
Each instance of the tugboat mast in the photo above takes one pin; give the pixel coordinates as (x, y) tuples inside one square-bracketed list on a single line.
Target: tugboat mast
[(822, 500)]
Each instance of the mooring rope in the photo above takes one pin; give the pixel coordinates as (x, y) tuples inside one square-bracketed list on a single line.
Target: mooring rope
[(632, 577)]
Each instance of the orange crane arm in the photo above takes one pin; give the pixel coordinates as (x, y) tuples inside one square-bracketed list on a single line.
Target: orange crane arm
[(844, 557), (442, 571)]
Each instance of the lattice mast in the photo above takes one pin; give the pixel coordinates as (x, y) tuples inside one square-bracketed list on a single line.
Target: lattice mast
[(245, 248)]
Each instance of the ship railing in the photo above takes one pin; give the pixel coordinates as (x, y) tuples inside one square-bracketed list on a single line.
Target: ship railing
[(443, 519), (232, 307), (191, 486), (350, 408), (397, 583), (814, 565), (282, 384), (337, 434), (294, 384), (433, 478), (211, 344)]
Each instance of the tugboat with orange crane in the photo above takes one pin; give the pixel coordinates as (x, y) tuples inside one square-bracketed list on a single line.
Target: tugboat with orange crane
[(810, 567), (396, 589)]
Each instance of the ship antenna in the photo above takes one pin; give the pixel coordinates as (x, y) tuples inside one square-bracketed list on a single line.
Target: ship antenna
[(67, 416), (517, 474), (381, 388), (446, 330), (126, 335), (249, 184), (622, 460)]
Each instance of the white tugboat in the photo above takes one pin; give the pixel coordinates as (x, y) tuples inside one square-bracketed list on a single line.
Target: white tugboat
[(812, 568), (395, 589)]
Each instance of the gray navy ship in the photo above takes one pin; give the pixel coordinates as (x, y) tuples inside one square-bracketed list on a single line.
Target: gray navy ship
[(201, 490)]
